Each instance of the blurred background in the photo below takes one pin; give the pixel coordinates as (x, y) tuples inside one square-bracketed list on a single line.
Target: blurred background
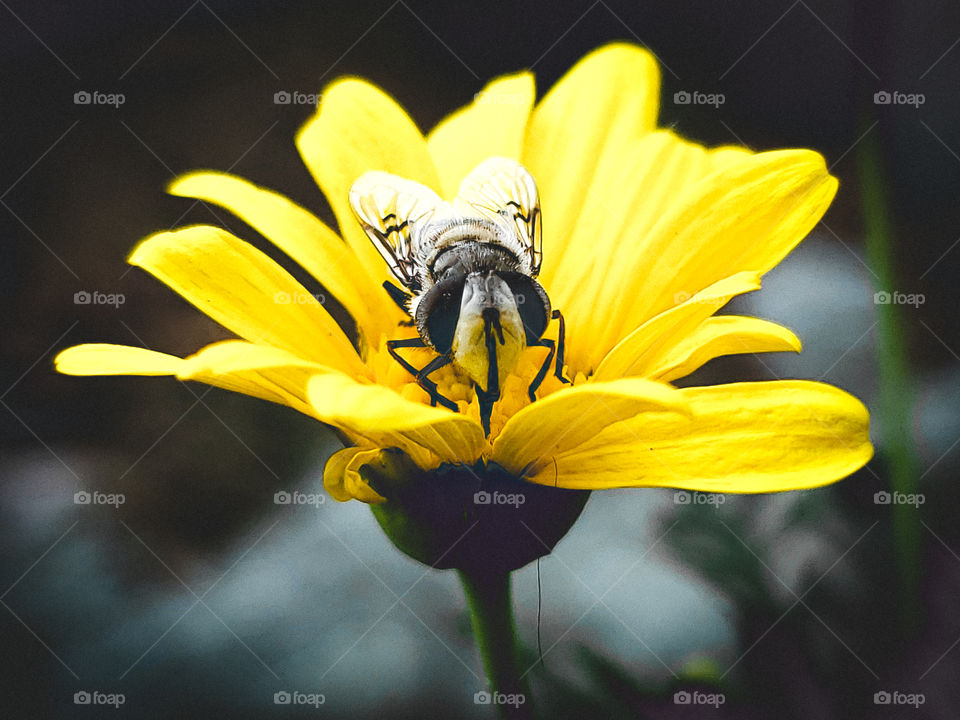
[(198, 596)]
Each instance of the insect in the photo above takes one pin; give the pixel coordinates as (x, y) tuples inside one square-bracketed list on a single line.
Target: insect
[(469, 268)]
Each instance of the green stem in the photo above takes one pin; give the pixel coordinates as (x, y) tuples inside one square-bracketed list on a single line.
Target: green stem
[(491, 613), (896, 391)]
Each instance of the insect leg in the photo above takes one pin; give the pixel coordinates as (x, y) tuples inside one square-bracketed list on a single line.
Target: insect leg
[(561, 343), (542, 373), (421, 374)]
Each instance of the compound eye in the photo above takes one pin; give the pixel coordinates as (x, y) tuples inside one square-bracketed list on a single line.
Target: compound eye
[(439, 312), (532, 304)]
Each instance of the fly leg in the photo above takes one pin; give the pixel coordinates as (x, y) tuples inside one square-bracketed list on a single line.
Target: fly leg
[(421, 374), (556, 349)]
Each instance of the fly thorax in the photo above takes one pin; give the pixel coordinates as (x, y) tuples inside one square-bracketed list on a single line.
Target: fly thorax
[(489, 336)]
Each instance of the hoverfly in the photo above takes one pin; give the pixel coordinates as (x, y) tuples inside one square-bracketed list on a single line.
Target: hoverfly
[(469, 267)]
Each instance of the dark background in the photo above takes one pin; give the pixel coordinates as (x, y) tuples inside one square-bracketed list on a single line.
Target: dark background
[(81, 184)]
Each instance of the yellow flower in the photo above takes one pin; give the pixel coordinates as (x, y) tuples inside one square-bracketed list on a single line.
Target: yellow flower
[(645, 236)]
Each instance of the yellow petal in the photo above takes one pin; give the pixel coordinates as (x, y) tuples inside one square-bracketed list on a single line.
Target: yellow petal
[(246, 292), (302, 236), (746, 217), (743, 438), (604, 103), (106, 359), (639, 353), (723, 335), (341, 476), (257, 370), (358, 128), (570, 417), (493, 125), (384, 419)]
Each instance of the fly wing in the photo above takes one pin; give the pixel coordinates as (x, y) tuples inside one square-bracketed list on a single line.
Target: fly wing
[(503, 190), (390, 209)]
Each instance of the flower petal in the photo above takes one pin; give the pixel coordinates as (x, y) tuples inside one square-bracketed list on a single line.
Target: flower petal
[(384, 419), (639, 352), (747, 216), (358, 128), (604, 103), (246, 292), (493, 125), (570, 417), (301, 235), (723, 335), (341, 476), (107, 359), (743, 438)]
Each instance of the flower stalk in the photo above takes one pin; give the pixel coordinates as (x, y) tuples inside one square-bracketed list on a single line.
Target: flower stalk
[(491, 613)]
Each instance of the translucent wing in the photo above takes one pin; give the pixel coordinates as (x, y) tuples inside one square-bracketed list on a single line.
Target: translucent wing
[(504, 190), (390, 208)]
